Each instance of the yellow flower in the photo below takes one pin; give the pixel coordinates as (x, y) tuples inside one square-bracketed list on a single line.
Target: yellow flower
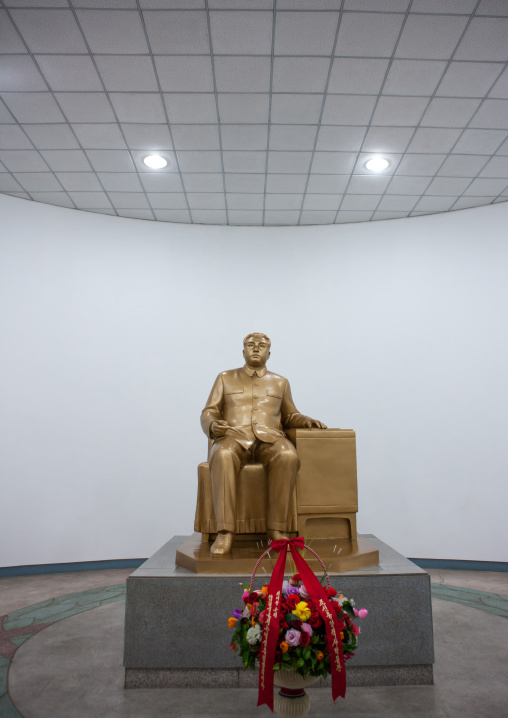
[(284, 647), (302, 611), (320, 655), (232, 622)]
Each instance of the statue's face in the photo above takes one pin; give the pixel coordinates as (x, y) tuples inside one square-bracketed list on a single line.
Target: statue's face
[(256, 352)]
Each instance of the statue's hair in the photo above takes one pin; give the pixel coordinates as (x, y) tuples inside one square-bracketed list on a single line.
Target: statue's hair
[(257, 335)]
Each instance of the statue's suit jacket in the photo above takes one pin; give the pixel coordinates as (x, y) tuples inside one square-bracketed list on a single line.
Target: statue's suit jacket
[(256, 404)]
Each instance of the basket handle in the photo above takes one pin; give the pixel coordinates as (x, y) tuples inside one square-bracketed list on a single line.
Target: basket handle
[(268, 551)]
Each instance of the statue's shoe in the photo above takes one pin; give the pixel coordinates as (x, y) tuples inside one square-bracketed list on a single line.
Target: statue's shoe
[(222, 544), (274, 535)]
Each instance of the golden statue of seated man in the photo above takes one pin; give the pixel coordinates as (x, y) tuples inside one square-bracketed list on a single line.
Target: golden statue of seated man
[(245, 415)]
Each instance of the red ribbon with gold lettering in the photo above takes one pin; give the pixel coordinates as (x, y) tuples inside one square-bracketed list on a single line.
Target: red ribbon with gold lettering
[(271, 624)]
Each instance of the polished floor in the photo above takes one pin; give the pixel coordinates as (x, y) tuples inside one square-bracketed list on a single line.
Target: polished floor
[(61, 640)]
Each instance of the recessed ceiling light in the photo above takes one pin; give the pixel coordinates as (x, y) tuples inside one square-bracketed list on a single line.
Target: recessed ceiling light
[(377, 164), (155, 162)]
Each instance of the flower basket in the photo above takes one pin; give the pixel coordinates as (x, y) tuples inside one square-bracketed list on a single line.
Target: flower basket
[(300, 627)]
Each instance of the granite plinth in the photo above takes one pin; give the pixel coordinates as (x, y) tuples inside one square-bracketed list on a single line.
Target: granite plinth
[(338, 555), (170, 633)]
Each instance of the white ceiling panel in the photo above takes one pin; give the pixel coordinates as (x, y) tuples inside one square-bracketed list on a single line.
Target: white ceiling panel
[(364, 34), (68, 72), (407, 185), (290, 162), (147, 137), (433, 140), (49, 30), (113, 31), (185, 73), (242, 74), (327, 184), (197, 137), (486, 39), (448, 186), (243, 107), (387, 139), (340, 138), (95, 136), (297, 108), (492, 114), (359, 76), (267, 114), (138, 107), (244, 137), (300, 74), (120, 182), (292, 137), (359, 202), (403, 111), (469, 79), (305, 33), (245, 200), (177, 32), (66, 160), (414, 77), (23, 161), (322, 201), (79, 181), (286, 183), (191, 108), (333, 162), (317, 217), (428, 37), (90, 200), (348, 109), (33, 107), (50, 137), (245, 182), (449, 112), (241, 33), (127, 74), (481, 142), (83, 107)]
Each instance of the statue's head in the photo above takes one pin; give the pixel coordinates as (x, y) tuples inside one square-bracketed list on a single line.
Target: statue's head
[(256, 349)]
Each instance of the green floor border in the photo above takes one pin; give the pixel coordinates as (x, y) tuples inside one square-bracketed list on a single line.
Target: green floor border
[(57, 609)]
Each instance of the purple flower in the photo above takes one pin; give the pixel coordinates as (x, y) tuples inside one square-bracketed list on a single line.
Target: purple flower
[(288, 589), (237, 613), (307, 628), (292, 637)]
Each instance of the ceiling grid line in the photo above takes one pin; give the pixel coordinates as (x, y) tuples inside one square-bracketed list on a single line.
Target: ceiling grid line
[(325, 93), (390, 62), (219, 131), (269, 119)]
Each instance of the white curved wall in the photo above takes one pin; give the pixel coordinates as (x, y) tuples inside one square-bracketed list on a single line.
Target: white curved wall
[(113, 331)]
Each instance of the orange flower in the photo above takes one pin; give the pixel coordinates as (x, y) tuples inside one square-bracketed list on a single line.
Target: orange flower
[(284, 647), (320, 655), (265, 589), (232, 622), (342, 635), (253, 621)]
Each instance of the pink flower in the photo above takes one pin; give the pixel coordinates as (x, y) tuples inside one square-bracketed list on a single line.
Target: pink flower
[(362, 612), (303, 592), (355, 630), (355, 612), (262, 617), (292, 637), (307, 628)]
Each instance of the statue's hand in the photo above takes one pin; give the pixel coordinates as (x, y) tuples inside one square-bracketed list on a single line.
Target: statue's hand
[(315, 424), (219, 428)]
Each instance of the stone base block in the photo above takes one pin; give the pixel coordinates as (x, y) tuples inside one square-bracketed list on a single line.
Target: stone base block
[(357, 676), (176, 629)]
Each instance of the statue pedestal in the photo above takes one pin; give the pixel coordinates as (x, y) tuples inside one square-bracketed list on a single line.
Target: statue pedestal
[(338, 555), (176, 632)]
